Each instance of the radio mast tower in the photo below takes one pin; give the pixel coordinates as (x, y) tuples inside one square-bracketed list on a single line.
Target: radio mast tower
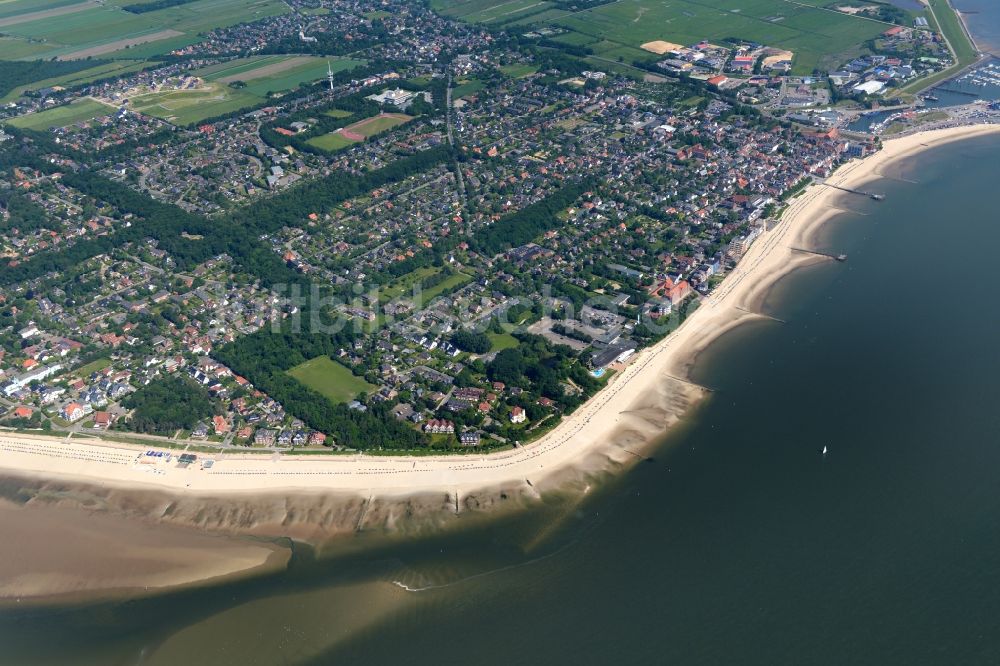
[(329, 74)]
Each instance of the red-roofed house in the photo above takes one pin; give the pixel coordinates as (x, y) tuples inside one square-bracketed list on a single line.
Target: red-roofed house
[(220, 424)]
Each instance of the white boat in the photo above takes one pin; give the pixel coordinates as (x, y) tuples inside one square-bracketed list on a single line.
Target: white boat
[(824, 450)]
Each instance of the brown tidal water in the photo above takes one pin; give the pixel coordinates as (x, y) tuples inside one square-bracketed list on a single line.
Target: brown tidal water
[(740, 542)]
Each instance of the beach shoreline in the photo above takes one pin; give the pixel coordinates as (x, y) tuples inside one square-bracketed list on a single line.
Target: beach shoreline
[(316, 497), (768, 260)]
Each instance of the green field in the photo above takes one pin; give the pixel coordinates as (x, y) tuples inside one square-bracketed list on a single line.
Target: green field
[(25, 6), (467, 87), (405, 283), (518, 71), (85, 371), (182, 107), (334, 141), (60, 116), (379, 124), (501, 341), (12, 48), (488, 11), (331, 142), (820, 38), (272, 74), (218, 96), (330, 378), (101, 29), (450, 282)]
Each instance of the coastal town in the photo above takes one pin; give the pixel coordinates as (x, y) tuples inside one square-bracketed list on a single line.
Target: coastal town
[(448, 237)]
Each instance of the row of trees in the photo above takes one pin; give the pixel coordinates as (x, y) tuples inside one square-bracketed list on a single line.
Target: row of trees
[(191, 239), (16, 73), (522, 226), (143, 7)]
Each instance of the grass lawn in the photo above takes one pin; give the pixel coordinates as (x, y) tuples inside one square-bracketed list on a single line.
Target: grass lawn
[(338, 113), (331, 142), (501, 341), (85, 371), (330, 378), (60, 116), (518, 71), (378, 124), (450, 282), (404, 285), (13, 48), (931, 117), (467, 87), (182, 107), (406, 282), (340, 139), (272, 74)]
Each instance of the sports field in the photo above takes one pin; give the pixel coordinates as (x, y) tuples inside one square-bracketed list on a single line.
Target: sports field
[(359, 131), (819, 37), (330, 378), (85, 28), (61, 116)]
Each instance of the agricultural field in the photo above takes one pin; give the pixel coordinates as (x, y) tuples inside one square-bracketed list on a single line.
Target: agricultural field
[(22, 7), (819, 37), (61, 116), (89, 28), (183, 107), (330, 378), (359, 131), (487, 11), (273, 74)]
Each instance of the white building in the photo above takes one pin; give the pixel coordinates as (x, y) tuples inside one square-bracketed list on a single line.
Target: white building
[(870, 87)]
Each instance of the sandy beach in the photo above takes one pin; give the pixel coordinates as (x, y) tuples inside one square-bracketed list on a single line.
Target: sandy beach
[(62, 553), (344, 493)]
